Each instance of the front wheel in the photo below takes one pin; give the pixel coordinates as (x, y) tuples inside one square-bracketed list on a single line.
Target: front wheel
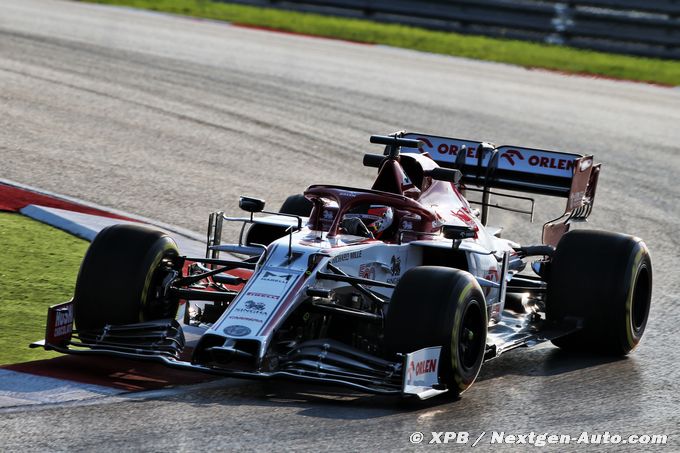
[(438, 306), (121, 276), (604, 279)]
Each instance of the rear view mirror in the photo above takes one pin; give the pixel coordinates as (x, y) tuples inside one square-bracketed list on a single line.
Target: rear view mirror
[(251, 205), (458, 232)]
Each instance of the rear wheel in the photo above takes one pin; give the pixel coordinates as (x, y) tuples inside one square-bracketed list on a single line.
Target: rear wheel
[(121, 276), (437, 306), (266, 234), (297, 205), (606, 280)]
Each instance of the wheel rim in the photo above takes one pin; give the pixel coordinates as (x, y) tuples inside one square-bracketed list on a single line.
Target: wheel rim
[(641, 300), (157, 306), (471, 336)]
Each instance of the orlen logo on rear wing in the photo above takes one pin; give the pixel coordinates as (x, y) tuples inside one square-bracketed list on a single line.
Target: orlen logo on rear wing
[(510, 158), (506, 167)]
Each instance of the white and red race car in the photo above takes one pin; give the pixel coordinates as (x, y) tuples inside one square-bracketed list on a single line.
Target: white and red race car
[(398, 289)]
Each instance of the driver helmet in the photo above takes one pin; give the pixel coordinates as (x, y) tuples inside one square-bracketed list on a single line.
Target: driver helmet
[(377, 218)]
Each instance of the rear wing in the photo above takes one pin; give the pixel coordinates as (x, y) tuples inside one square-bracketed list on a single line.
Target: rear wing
[(565, 175)]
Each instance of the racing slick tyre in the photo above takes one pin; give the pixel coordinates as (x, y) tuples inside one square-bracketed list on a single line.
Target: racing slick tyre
[(266, 234), (439, 306), (605, 279), (120, 278)]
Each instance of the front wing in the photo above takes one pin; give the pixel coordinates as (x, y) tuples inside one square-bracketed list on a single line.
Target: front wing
[(318, 361)]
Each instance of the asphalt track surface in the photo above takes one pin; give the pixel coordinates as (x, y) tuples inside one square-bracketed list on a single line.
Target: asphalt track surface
[(170, 118)]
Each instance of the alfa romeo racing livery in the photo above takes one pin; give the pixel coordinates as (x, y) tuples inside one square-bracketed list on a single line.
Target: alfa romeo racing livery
[(398, 289)]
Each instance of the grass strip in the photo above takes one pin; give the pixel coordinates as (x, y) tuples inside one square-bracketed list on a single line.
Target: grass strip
[(532, 55), (38, 268)]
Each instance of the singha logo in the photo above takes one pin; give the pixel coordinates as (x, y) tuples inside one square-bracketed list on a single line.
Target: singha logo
[(396, 265), (252, 305)]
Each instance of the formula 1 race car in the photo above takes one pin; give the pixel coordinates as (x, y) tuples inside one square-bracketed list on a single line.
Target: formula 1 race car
[(398, 289)]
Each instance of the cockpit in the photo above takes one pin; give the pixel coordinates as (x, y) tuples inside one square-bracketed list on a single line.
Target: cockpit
[(401, 203)]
